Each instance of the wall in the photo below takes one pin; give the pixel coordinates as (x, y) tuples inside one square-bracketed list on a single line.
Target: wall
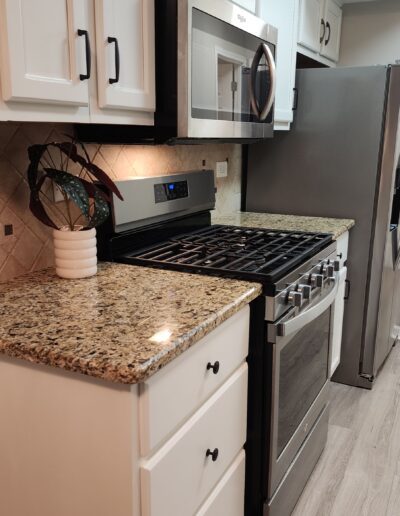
[(30, 247), (370, 34)]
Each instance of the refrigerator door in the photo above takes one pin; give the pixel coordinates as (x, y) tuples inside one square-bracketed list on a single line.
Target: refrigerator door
[(331, 164)]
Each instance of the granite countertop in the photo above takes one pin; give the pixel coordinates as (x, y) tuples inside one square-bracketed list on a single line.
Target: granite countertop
[(286, 222), (122, 325)]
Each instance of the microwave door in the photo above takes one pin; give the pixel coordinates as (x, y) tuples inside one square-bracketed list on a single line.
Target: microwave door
[(230, 68)]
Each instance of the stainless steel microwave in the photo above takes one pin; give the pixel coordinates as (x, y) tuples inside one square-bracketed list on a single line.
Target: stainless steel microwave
[(216, 74)]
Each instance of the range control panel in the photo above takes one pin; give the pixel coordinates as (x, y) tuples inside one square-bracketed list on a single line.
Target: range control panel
[(170, 191)]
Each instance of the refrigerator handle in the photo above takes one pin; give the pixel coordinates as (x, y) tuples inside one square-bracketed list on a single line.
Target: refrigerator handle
[(348, 289)]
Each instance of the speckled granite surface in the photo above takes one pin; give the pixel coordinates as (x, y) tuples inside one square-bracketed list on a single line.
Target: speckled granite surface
[(103, 326), (288, 222)]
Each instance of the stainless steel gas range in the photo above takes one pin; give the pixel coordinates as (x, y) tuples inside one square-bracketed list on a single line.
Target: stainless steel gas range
[(165, 222)]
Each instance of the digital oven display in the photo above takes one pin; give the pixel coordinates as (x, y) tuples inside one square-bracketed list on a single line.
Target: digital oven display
[(170, 191)]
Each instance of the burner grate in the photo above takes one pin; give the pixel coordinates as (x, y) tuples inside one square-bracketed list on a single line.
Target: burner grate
[(249, 253)]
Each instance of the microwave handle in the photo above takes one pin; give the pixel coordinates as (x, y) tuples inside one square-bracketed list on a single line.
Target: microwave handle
[(301, 320), (263, 49)]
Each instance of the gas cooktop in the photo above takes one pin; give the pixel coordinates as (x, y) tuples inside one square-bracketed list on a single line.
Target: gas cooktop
[(263, 255)]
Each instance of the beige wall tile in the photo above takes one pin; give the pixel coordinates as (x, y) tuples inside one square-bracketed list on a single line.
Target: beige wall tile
[(30, 248)]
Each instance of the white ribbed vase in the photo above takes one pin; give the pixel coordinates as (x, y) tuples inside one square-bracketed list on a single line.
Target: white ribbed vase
[(75, 253)]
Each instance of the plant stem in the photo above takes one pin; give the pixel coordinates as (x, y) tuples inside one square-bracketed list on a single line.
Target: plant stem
[(71, 224)]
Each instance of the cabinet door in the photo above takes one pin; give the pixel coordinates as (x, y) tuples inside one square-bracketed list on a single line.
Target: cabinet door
[(310, 24), (330, 45), (283, 16), (125, 54), (42, 54)]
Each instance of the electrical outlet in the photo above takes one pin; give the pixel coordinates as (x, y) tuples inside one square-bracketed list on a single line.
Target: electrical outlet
[(8, 230), (222, 168)]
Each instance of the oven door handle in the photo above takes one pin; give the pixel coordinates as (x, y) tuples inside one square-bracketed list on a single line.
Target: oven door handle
[(301, 320)]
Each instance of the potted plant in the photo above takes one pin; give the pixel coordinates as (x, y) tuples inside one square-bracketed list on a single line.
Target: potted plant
[(85, 191)]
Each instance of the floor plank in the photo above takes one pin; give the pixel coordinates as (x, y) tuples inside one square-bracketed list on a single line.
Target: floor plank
[(359, 472)]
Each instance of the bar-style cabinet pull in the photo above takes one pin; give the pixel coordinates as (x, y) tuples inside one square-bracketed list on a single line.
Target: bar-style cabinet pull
[(86, 76), (117, 60)]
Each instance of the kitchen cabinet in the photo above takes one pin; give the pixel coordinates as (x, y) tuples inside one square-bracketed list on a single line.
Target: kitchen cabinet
[(319, 30), (310, 22), (339, 305), (125, 54), (43, 50), (283, 16), (95, 449), (330, 45), (52, 50)]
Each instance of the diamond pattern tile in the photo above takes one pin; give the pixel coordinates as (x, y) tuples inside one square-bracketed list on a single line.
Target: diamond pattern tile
[(30, 247)]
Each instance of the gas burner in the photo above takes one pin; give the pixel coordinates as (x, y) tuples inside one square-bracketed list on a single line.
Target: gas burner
[(245, 253)]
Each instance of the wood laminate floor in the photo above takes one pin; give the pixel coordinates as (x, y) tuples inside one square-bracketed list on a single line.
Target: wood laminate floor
[(359, 472)]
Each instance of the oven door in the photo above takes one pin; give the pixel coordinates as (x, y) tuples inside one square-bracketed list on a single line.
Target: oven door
[(229, 73), (300, 378)]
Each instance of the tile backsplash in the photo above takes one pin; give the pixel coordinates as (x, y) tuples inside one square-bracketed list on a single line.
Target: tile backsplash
[(30, 246)]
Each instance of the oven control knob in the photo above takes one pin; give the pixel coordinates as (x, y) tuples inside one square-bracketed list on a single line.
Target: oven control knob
[(295, 298), (327, 270), (316, 280), (305, 290), (336, 265)]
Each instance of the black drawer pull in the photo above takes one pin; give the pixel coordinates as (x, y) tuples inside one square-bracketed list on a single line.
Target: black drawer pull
[(84, 77), (213, 454), (214, 367)]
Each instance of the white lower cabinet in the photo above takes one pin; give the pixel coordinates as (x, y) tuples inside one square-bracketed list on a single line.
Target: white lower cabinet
[(85, 454), (178, 478)]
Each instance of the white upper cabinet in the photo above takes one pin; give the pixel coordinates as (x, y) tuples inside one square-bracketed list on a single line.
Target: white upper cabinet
[(52, 51), (283, 16), (125, 54), (333, 24), (43, 51), (320, 24), (311, 24)]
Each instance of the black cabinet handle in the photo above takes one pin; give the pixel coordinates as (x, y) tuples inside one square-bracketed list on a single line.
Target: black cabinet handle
[(214, 367), (321, 39), (117, 63), (328, 27), (348, 288), (213, 454), (82, 76)]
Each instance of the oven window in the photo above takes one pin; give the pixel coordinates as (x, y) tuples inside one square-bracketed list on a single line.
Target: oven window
[(221, 61), (303, 372)]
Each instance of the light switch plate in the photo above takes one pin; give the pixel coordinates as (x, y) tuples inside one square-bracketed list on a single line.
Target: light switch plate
[(222, 168)]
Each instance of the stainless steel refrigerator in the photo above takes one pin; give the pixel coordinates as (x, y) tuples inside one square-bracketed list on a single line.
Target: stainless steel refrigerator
[(339, 160)]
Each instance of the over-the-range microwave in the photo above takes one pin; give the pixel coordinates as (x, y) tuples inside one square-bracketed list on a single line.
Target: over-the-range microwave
[(215, 76)]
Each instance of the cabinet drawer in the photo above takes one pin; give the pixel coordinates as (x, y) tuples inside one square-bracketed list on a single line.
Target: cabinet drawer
[(228, 496), (171, 396), (179, 477)]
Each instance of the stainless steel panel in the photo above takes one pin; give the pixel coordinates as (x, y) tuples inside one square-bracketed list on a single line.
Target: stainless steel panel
[(292, 485), (139, 208), (329, 165)]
